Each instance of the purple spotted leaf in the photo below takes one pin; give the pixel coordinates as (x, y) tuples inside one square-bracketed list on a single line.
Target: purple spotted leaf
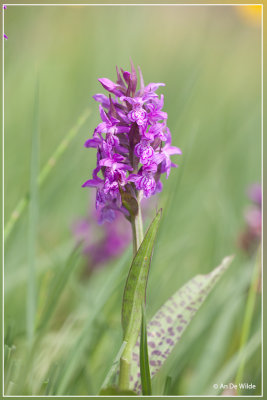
[(169, 323)]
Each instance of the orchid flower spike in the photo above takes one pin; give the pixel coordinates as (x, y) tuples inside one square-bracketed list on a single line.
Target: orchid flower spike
[(133, 143)]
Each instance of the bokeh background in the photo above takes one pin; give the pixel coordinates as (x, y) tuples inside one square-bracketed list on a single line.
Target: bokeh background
[(210, 59)]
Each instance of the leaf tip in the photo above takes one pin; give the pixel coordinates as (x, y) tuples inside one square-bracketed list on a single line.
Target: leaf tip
[(228, 260)]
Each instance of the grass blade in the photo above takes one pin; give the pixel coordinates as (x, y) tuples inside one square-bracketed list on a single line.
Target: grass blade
[(56, 288), (51, 378), (45, 172), (144, 360), (75, 353), (167, 386), (33, 218), (250, 306), (48, 261), (228, 371)]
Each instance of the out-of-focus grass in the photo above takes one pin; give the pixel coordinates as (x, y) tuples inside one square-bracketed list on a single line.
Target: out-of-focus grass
[(33, 222), (45, 172), (209, 58)]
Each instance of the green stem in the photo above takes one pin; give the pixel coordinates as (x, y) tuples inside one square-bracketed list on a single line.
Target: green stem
[(137, 228), (125, 367), (126, 357), (248, 317)]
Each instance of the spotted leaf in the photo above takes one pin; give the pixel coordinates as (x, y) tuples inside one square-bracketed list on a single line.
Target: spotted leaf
[(167, 326)]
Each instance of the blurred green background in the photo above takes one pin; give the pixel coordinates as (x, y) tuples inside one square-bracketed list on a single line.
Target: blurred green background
[(210, 59)]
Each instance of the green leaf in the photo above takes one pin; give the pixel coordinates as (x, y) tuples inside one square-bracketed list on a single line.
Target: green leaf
[(144, 360), (114, 391), (169, 323), (135, 288)]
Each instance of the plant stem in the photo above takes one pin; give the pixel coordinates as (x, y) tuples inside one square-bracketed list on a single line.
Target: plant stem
[(125, 367), (248, 317), (137, 228), (126, 357)]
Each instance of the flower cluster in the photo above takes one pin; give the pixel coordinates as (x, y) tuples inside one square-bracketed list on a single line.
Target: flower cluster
[(133, 142)]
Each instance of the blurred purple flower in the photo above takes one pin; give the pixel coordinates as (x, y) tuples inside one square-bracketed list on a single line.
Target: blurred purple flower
[(131, 155), (5, 36), (101, 245), (255, 193), (251, 236), (253, 214)]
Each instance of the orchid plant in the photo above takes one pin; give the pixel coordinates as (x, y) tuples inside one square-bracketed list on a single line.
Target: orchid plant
[(134, 150)]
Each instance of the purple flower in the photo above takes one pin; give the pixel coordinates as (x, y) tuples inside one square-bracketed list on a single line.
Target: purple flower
[(115, 162), (145, 181), (255, 193), (96, 181), (138, 115), (168, 151), (109, 243), (102, 244), (111, 127), (157, 130), (144, 151), (251, 236), (133, 142), (253, 219), (95, 142), (155, 113), (112, 87), (253, 214)]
